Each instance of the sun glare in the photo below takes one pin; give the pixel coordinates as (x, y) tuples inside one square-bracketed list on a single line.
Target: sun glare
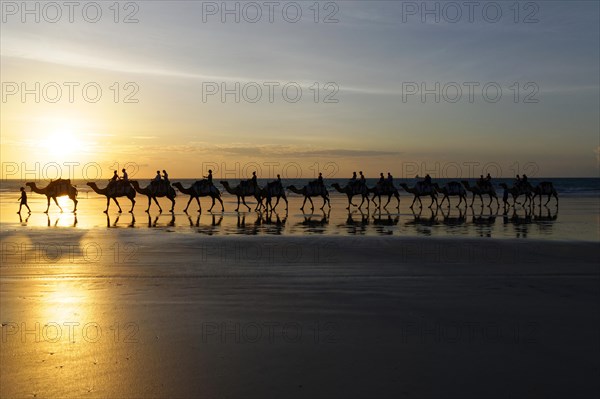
[(63, 142)]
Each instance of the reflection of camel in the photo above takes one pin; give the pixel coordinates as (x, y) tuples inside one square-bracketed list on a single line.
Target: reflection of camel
[(113, 190), (57, 188), (421, 221), (452, 189), (201, 188), (351, 191), (58, 220), (312, 191), (454, 220), (383, 190), (421, 190), (132, 224), (313, 225), (273, 190), (243, 190), (152, 191), (480, 191), (516, 192), (153, 224), (379, 220), (545, 188)]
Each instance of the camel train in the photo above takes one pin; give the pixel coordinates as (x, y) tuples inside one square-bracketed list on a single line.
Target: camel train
[(161, 187)]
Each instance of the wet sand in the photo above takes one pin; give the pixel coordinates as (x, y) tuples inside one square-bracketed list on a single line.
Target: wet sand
[(132, 313)]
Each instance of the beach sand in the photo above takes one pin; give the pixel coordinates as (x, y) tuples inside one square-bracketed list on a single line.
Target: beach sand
[(121, 314)]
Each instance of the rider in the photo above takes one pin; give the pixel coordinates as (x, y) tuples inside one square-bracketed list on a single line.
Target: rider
[(390, 180), (352, 180), (209, 177), (362, 178), (157, 177), (427, 180), (125, 176), (253, 179), (381, 181), (115, 177), (165, 176)]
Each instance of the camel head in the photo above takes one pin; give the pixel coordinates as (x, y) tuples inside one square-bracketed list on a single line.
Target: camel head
[(30, 184), (177, 185), (91, 184)]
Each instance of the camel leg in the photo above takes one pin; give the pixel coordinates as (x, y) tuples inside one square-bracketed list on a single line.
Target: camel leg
[(276, 203), (117, 202), (213, 204), (361, 203), (132, 205), (386, 204), (244, 202), (172, 204), (107, 204), (286, 202), (221, 201), (159, 207), (74, 203), (432, 198), (312, 206), (302, 207), (48, 207), (56, 202), (238, 207), (149, 203), (188, 204)]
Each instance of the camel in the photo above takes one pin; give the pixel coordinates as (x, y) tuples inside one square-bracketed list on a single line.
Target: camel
[(452, 189), (273, 189), (351, 191), (152, 191), (200, 188), (421, 190), (382, 189), (113, 190), (480, 191), (241, 191), (312, 191), (545, 188), (54, 189), (516, 192)]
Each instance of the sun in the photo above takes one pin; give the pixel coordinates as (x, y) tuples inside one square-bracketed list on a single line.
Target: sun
[(63, 142)]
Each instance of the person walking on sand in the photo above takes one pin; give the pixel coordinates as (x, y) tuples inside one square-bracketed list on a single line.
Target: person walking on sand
[(23, 200)]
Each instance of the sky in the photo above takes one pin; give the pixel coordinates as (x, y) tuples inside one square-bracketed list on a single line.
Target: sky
[(350, 85)]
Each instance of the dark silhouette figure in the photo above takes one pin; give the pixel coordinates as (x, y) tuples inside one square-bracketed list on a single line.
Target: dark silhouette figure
[(23, 200)]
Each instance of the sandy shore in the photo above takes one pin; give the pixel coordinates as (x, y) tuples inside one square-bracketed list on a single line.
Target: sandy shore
[(123, 314)]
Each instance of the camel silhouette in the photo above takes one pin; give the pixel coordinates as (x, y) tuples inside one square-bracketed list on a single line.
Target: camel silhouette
[(152, 191), (55, 189), (115, 189), (200, 188)]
